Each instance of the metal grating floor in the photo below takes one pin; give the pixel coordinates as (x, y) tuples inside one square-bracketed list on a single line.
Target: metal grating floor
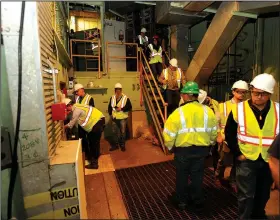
[(145, 190)]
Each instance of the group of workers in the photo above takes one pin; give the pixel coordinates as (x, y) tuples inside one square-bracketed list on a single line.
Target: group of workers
[(91, 121), (244, 127)]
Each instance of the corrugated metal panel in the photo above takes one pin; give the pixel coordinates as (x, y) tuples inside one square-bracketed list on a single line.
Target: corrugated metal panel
[(45, 18)]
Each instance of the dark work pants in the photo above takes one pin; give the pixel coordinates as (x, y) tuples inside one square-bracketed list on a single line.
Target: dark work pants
[(253, 179), (172, 97), (190, 162), (94, 140), (156, 69), (119, 129), (83, 135)]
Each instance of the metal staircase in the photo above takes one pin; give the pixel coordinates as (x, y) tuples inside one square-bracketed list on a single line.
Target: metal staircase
[(153, 97)]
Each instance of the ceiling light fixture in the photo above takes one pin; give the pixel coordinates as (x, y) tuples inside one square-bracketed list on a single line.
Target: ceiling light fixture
[(146, 3)]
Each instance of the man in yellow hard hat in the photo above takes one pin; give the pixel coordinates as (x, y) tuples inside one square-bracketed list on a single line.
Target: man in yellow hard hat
[(191, 129), (204, 99), (172, 78), (239, 91), (84, 99), (92, 121), (118, 108), (251, 128)]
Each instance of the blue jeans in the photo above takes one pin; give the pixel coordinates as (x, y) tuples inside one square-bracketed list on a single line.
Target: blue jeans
[(253, 180), (191, 165), (119, 129)]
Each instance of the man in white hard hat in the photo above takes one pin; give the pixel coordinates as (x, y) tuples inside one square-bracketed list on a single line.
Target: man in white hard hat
[(142, 39), (251, 128), (118, 108), (84, 99), (239, 91), (172, 79), (92, 121), (204, 99)]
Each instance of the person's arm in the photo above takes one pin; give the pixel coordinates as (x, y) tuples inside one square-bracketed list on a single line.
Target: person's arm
[(171, 128), (110, 109), (183, 78), (128, 106), (231, 135), (273, 161), (75, 117), (91, 102), (213, 126)]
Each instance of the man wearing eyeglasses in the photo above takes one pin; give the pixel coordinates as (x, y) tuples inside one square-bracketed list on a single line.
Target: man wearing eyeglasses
[(239, 90), (251, 128)]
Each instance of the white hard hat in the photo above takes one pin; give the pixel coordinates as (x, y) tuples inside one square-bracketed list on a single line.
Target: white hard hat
[(173, 62), (78, 86), (265, 82), (66, 101), (118, 86), (143, 30), (240, 84), (202, 96)]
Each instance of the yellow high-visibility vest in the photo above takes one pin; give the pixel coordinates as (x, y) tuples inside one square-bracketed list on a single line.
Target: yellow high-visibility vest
[(90, 118), (190, 124), (156, 56), (142, 40), (85, 100), (179, 75), (252, 140), (121, 103)]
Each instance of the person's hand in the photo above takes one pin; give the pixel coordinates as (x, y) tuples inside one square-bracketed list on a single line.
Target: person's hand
[(118, 109), (241, 158), (219, 139), (164, 82)]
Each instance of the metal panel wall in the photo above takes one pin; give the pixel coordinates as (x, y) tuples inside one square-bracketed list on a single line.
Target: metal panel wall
[(45, 18)]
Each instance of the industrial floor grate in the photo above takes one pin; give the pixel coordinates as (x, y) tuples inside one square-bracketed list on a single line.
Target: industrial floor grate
[(145, 190)]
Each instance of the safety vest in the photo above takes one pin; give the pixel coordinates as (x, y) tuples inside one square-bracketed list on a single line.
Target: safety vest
[(197, 126), (252, 140), (85, 100), (156, 56), (143, 40), (225, 108), (121, 103), (179, 76), (90, 117)]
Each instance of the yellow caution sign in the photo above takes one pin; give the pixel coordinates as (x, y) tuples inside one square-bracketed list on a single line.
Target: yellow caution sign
[(59, 214), (49, 197)]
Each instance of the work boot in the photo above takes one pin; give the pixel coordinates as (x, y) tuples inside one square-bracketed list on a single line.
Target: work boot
[(175, 202), (93, 165)]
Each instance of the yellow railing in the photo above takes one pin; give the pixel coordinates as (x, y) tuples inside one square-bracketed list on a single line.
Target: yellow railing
[(85, 55), (163, 115), (108, 57)]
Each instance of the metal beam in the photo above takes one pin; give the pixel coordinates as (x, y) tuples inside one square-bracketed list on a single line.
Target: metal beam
[(244, 14)]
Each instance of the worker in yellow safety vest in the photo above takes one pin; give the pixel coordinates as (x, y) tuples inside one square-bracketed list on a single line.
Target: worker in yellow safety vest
[(251, 128), (92, 122), (84, 99), (239, 91), (204, 99), (155, 57), (172, 78), (191, 129), (142, 39), (118, 108)]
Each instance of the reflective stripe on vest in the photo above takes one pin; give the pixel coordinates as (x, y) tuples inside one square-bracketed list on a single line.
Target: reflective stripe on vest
[(154, 52), (85, 100), (121, 103), (165, 73), (184, 128), (141, 39), (242, 132), (87, 117)]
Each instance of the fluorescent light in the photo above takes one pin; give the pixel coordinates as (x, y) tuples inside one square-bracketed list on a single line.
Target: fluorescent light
[(116, 13), (146, 3)]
